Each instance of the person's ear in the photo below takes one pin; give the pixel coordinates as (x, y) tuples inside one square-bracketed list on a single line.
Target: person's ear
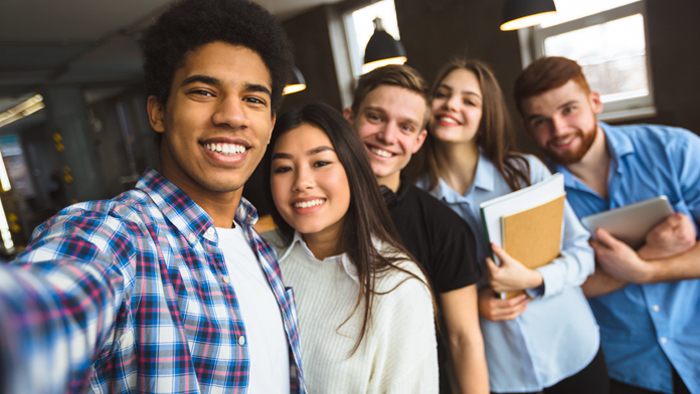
[(420, 140), (596, 102), (156, 114), (349, 115)]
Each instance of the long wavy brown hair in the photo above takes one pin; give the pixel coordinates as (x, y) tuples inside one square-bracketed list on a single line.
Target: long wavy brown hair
[(495, 136)]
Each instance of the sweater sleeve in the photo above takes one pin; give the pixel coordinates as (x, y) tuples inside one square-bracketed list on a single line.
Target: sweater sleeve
[(406, 358)]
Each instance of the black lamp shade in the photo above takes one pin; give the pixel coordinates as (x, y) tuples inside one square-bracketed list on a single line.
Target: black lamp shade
[(524, 13), (383, 46)]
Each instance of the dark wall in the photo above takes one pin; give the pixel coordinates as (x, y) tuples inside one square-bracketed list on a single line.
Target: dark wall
[(435, 31), (674, 38), (314, 58)]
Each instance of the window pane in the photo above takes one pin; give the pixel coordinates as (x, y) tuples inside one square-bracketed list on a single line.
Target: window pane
[(568, 10), (612, 55), (364, 27)]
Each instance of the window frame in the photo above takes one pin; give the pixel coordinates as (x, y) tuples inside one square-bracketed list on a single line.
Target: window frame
[(532, 48)]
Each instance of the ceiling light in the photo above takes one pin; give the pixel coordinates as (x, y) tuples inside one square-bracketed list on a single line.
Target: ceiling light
[(518, 14), (297, 84), (382, 49), (21, 110)]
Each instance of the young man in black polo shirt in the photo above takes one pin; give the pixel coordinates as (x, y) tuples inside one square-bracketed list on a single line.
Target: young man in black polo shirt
[(390, 112)]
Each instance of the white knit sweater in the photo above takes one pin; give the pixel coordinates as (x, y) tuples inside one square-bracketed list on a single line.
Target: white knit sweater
[(397, 355)]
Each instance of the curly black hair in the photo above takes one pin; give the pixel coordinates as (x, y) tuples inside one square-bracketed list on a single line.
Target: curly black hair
[(190, 24)]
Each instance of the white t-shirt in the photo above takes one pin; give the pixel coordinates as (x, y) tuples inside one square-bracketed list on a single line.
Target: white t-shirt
[(265, 336)]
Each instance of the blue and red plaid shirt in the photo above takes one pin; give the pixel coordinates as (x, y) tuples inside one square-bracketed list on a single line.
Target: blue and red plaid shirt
[(132, 295)]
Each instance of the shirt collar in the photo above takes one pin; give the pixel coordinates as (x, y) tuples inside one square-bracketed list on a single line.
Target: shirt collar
[(180, 210), (483, 179), (343, 259), (619, 144)]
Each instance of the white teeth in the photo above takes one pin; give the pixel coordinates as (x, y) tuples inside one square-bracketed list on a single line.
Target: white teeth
[(380, 152), (309, 204), (447, 119), (565, 141), (225, 149)]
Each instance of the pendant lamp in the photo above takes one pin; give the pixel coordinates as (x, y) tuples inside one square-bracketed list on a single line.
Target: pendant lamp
[(518, 14), (382, 49), (297, 84)]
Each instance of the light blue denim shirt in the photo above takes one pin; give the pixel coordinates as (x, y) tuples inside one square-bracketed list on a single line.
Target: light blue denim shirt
[(557, 335), (646, 329)]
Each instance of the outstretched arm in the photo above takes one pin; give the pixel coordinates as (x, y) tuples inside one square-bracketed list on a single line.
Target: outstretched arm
[(59, 301), (460, 310), (52, 321)]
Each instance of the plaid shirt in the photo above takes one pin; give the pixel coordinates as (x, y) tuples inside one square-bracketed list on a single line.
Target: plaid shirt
[(132, 295)]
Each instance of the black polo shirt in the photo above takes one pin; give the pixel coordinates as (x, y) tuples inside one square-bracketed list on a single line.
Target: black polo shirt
[(440, 240)]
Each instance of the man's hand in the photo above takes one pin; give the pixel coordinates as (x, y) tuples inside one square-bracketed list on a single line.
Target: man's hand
[(496, 309), (511, 275), (618, 259), (601, 283), (676, 234)]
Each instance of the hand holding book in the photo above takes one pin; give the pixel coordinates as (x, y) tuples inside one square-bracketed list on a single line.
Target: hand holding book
[(511, 275)]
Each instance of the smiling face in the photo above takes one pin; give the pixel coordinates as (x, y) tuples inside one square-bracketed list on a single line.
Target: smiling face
[(390, 124), (562, 121), (457, 108), (309, 185), (216, 123)]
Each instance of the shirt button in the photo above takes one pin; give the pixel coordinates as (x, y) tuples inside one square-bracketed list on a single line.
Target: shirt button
[(192, 238), (241, 340), (655, 308), (663, 340), (211, 231), (226, 279)]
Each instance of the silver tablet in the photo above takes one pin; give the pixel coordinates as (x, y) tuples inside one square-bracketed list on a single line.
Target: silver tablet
[(631, 223)]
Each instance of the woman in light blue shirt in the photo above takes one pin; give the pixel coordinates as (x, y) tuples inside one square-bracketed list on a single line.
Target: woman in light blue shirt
[(544, 340)]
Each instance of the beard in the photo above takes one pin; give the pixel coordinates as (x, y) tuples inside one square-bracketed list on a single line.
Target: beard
[(574, 155)]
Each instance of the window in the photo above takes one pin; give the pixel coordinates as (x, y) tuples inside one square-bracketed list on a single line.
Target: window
[(606, 37)]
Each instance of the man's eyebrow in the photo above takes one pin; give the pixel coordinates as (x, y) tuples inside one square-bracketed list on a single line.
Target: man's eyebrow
[(201, 78), (371, 108), (253, 87), (568, 103)]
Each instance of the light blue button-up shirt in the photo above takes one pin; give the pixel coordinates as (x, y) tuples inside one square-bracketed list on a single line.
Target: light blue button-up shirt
[(557, 335), (647, 328)]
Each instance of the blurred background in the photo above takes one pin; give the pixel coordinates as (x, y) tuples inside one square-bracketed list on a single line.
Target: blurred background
[(73, 123)]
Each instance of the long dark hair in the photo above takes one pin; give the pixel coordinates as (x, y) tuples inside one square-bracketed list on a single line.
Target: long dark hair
[(495, 135), (367, 215)]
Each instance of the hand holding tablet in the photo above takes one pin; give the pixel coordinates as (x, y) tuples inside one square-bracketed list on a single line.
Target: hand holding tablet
[(631, 223)]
